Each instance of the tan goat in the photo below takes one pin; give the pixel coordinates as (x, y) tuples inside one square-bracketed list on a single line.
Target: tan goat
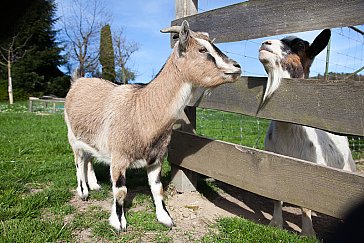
[(130, 126)]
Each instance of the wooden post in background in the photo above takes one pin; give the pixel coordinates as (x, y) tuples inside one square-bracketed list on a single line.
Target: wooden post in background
[(185, 180), (185, 8)]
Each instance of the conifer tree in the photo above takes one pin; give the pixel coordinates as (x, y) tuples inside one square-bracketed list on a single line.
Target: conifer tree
[(37, 72), (107, 54)]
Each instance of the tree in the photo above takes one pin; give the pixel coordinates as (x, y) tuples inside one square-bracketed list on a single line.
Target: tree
[(123, 51), (9, 55), (107, 54), (36, 72), (82, 27)]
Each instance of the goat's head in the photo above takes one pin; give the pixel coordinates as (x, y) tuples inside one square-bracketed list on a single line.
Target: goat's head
[(290, 57), (201, 62)]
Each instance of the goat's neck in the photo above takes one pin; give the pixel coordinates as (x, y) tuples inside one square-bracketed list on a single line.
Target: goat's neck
[(276, 77), (168, 93)]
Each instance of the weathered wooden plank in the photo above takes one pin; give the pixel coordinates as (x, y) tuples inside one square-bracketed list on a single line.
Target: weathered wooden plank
[(260, 18), (326, 190), (185, 8), (333, 105)]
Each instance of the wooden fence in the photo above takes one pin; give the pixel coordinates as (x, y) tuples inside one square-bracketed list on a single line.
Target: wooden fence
[(46, 102), (336, 106)]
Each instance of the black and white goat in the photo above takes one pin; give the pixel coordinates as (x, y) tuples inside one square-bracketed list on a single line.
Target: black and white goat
[(292, 57), (130, 126)]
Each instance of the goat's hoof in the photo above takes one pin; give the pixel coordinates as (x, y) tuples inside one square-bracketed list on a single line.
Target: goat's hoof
[(114, 222), (166, 220), (95, 187), (82, 194)]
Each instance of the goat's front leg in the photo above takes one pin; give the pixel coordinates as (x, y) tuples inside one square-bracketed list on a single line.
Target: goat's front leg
[(154, 178), (307, 227), (117, 218), (91, 177), (277, 219)]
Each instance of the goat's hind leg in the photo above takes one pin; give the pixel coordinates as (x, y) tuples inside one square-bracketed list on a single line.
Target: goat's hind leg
[(117, 218), (81, 158), (91, 177), (154, 178)]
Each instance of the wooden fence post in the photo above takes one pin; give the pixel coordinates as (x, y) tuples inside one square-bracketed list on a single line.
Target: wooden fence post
[(30, 108), (185, 180)]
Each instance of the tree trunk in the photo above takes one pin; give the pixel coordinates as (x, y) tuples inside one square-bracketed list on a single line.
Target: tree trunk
[(10, 85)]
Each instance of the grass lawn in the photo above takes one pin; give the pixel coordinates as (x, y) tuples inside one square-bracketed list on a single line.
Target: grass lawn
[(231, 127), (37, 183)]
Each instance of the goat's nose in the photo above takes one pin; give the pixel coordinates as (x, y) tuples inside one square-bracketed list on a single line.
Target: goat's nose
[(235, 64), (268, 43)]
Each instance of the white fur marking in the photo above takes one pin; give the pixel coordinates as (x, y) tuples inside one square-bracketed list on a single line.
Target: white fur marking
[(156, 188), (91, 178), (181, 100), (141, 163), (219, 61)]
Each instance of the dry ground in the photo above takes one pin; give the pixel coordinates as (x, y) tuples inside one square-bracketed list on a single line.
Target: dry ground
[(194, 213)]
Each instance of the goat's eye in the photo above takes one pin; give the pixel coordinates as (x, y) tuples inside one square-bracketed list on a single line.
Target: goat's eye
[(300, 45), (203, 50)]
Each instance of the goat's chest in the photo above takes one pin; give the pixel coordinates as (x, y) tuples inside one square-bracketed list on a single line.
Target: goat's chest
[(158, 147), (153, 151)]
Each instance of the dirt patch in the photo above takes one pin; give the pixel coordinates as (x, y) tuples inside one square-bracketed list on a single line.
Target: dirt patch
[(82, 206), (193, 213), (33, 188)]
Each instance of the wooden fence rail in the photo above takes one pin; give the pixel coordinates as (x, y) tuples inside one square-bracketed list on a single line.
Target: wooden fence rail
[(326, 190), (334, 105), (260, 18)]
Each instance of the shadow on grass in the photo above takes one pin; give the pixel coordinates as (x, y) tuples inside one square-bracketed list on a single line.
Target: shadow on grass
[(136, 181), (323, 224)]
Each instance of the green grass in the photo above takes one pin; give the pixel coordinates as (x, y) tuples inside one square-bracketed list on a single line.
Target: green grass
[(36, 169), (37, 183), (231, 127), (240, 230)]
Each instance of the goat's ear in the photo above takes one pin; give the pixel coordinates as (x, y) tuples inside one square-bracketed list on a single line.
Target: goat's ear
[(184, 35), (319, 43)]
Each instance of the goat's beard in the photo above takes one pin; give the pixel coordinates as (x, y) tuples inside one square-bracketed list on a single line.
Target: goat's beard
[(273, 82)]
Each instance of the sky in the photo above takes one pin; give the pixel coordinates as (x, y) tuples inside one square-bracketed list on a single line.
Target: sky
[(143, 19)]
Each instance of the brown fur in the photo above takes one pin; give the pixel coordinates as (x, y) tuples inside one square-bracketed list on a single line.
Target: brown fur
[(292, 63)]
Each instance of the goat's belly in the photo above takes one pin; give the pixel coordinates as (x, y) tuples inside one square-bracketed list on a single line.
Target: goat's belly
[(99, 155), (312, 145)]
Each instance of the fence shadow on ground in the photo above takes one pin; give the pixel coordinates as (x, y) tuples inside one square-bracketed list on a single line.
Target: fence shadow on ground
[(258, 206)]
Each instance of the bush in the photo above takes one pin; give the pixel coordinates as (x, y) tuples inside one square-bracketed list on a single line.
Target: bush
[(59, 86)]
